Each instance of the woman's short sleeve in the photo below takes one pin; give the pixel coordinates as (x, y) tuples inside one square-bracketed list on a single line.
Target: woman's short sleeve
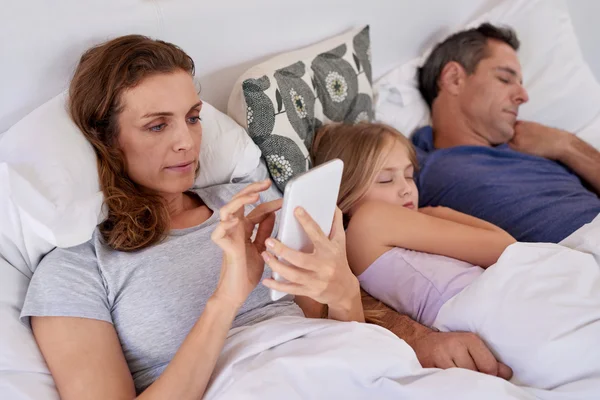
[(68, 283)]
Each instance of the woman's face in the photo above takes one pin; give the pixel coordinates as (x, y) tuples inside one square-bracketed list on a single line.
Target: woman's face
[(160, 132)]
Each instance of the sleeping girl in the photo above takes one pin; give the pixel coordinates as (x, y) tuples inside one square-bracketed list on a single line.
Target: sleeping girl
[(413, 259)]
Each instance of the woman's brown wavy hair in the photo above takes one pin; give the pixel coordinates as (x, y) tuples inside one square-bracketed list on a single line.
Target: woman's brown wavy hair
[(137, 218)]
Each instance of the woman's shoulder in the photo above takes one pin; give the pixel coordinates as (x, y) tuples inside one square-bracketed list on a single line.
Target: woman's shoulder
[(81, 255)]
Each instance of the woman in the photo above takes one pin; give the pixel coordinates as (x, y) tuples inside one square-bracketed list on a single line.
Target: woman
[(144, 307)]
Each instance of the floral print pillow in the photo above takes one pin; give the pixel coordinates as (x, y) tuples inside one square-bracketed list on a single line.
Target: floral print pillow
[(285, 107)]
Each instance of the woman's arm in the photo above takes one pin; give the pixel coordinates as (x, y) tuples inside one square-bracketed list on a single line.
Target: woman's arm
[(85, 356), (377, 226), (87, 362)]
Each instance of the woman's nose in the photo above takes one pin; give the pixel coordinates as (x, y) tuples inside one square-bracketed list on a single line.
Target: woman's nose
[(184, 140)]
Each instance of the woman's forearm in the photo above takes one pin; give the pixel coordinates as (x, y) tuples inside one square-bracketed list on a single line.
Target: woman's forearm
[(188, 373)]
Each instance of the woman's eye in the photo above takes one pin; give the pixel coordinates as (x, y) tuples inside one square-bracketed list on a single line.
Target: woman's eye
[(157, 128), (194, 120), (386, 181)]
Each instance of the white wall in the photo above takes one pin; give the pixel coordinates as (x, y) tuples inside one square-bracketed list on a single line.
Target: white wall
[(585, 14), (41, 40)]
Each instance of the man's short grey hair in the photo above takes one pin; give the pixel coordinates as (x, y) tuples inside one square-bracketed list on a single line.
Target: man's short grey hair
[(467, 48)]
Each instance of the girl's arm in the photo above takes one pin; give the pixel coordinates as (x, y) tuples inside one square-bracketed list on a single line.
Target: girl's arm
[(461, 218), (377, 227)]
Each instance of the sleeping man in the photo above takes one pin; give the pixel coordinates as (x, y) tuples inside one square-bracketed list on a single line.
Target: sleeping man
[(538, 183)]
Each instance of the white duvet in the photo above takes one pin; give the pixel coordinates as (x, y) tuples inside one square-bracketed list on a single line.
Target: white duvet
[(298, 358), (538, 309)]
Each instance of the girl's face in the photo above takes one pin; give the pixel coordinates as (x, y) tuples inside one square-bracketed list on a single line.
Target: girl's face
[(394, 182)]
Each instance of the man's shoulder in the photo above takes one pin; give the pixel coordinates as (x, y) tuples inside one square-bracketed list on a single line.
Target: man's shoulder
[(422, 139)]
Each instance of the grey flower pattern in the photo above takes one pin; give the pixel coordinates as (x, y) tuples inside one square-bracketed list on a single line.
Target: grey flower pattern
[(298, 96), (362, 49), (336, 87), (260, 113), (299, 104), (284, 159), (336, 81), (333, 81), (361, 117), (361, 110)]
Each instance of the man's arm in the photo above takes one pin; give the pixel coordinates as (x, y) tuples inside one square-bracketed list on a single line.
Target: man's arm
[(436, 349), (558, 145), (583, 159)]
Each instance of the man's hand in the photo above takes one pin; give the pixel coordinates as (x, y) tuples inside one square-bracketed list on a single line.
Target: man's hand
[(436, 349), (539, 140), (561, 146), (458, 349)]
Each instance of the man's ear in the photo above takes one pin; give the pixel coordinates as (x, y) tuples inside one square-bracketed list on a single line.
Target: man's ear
[(452, 78)]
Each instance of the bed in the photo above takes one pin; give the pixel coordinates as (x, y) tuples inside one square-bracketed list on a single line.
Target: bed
[(46, 203)]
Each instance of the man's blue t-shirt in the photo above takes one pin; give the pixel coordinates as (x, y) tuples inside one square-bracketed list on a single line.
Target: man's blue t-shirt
[(532, 198)]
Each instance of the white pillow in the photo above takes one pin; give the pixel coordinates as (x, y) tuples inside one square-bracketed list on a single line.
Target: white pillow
[(563, 91), (50, 191), (23, 372)]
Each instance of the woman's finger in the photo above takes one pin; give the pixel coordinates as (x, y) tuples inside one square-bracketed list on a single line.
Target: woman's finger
[(265, 229), (255, 187), (258, 216), (259, 213), (291, 274), (236, 206), (221, 234), (296, 258), (309, 225), (338, 235), (285, 287)]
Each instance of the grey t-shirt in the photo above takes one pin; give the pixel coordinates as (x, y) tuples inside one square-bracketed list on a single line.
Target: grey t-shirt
[(153, 296)]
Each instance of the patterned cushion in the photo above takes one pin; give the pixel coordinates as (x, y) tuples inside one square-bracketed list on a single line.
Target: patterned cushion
[(283, 101)]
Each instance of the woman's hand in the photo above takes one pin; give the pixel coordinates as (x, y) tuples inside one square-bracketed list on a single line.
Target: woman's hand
[(242, 262), (323, 275)]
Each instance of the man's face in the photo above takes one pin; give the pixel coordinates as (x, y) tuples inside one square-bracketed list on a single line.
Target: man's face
[(490, 97)]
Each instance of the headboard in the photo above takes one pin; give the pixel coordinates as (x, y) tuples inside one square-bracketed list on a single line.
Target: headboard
[(41, 41)]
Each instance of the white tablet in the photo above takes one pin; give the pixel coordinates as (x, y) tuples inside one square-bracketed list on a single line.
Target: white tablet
[(316, 191)]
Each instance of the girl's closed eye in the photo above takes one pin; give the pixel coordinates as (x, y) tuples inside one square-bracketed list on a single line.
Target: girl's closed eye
[(385, 177)]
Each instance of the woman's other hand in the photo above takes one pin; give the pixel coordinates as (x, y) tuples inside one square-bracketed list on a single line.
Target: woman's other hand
[(322, 275), (243, 265)]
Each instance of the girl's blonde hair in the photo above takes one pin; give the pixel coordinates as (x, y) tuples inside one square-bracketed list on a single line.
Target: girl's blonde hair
[(363, 149)]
